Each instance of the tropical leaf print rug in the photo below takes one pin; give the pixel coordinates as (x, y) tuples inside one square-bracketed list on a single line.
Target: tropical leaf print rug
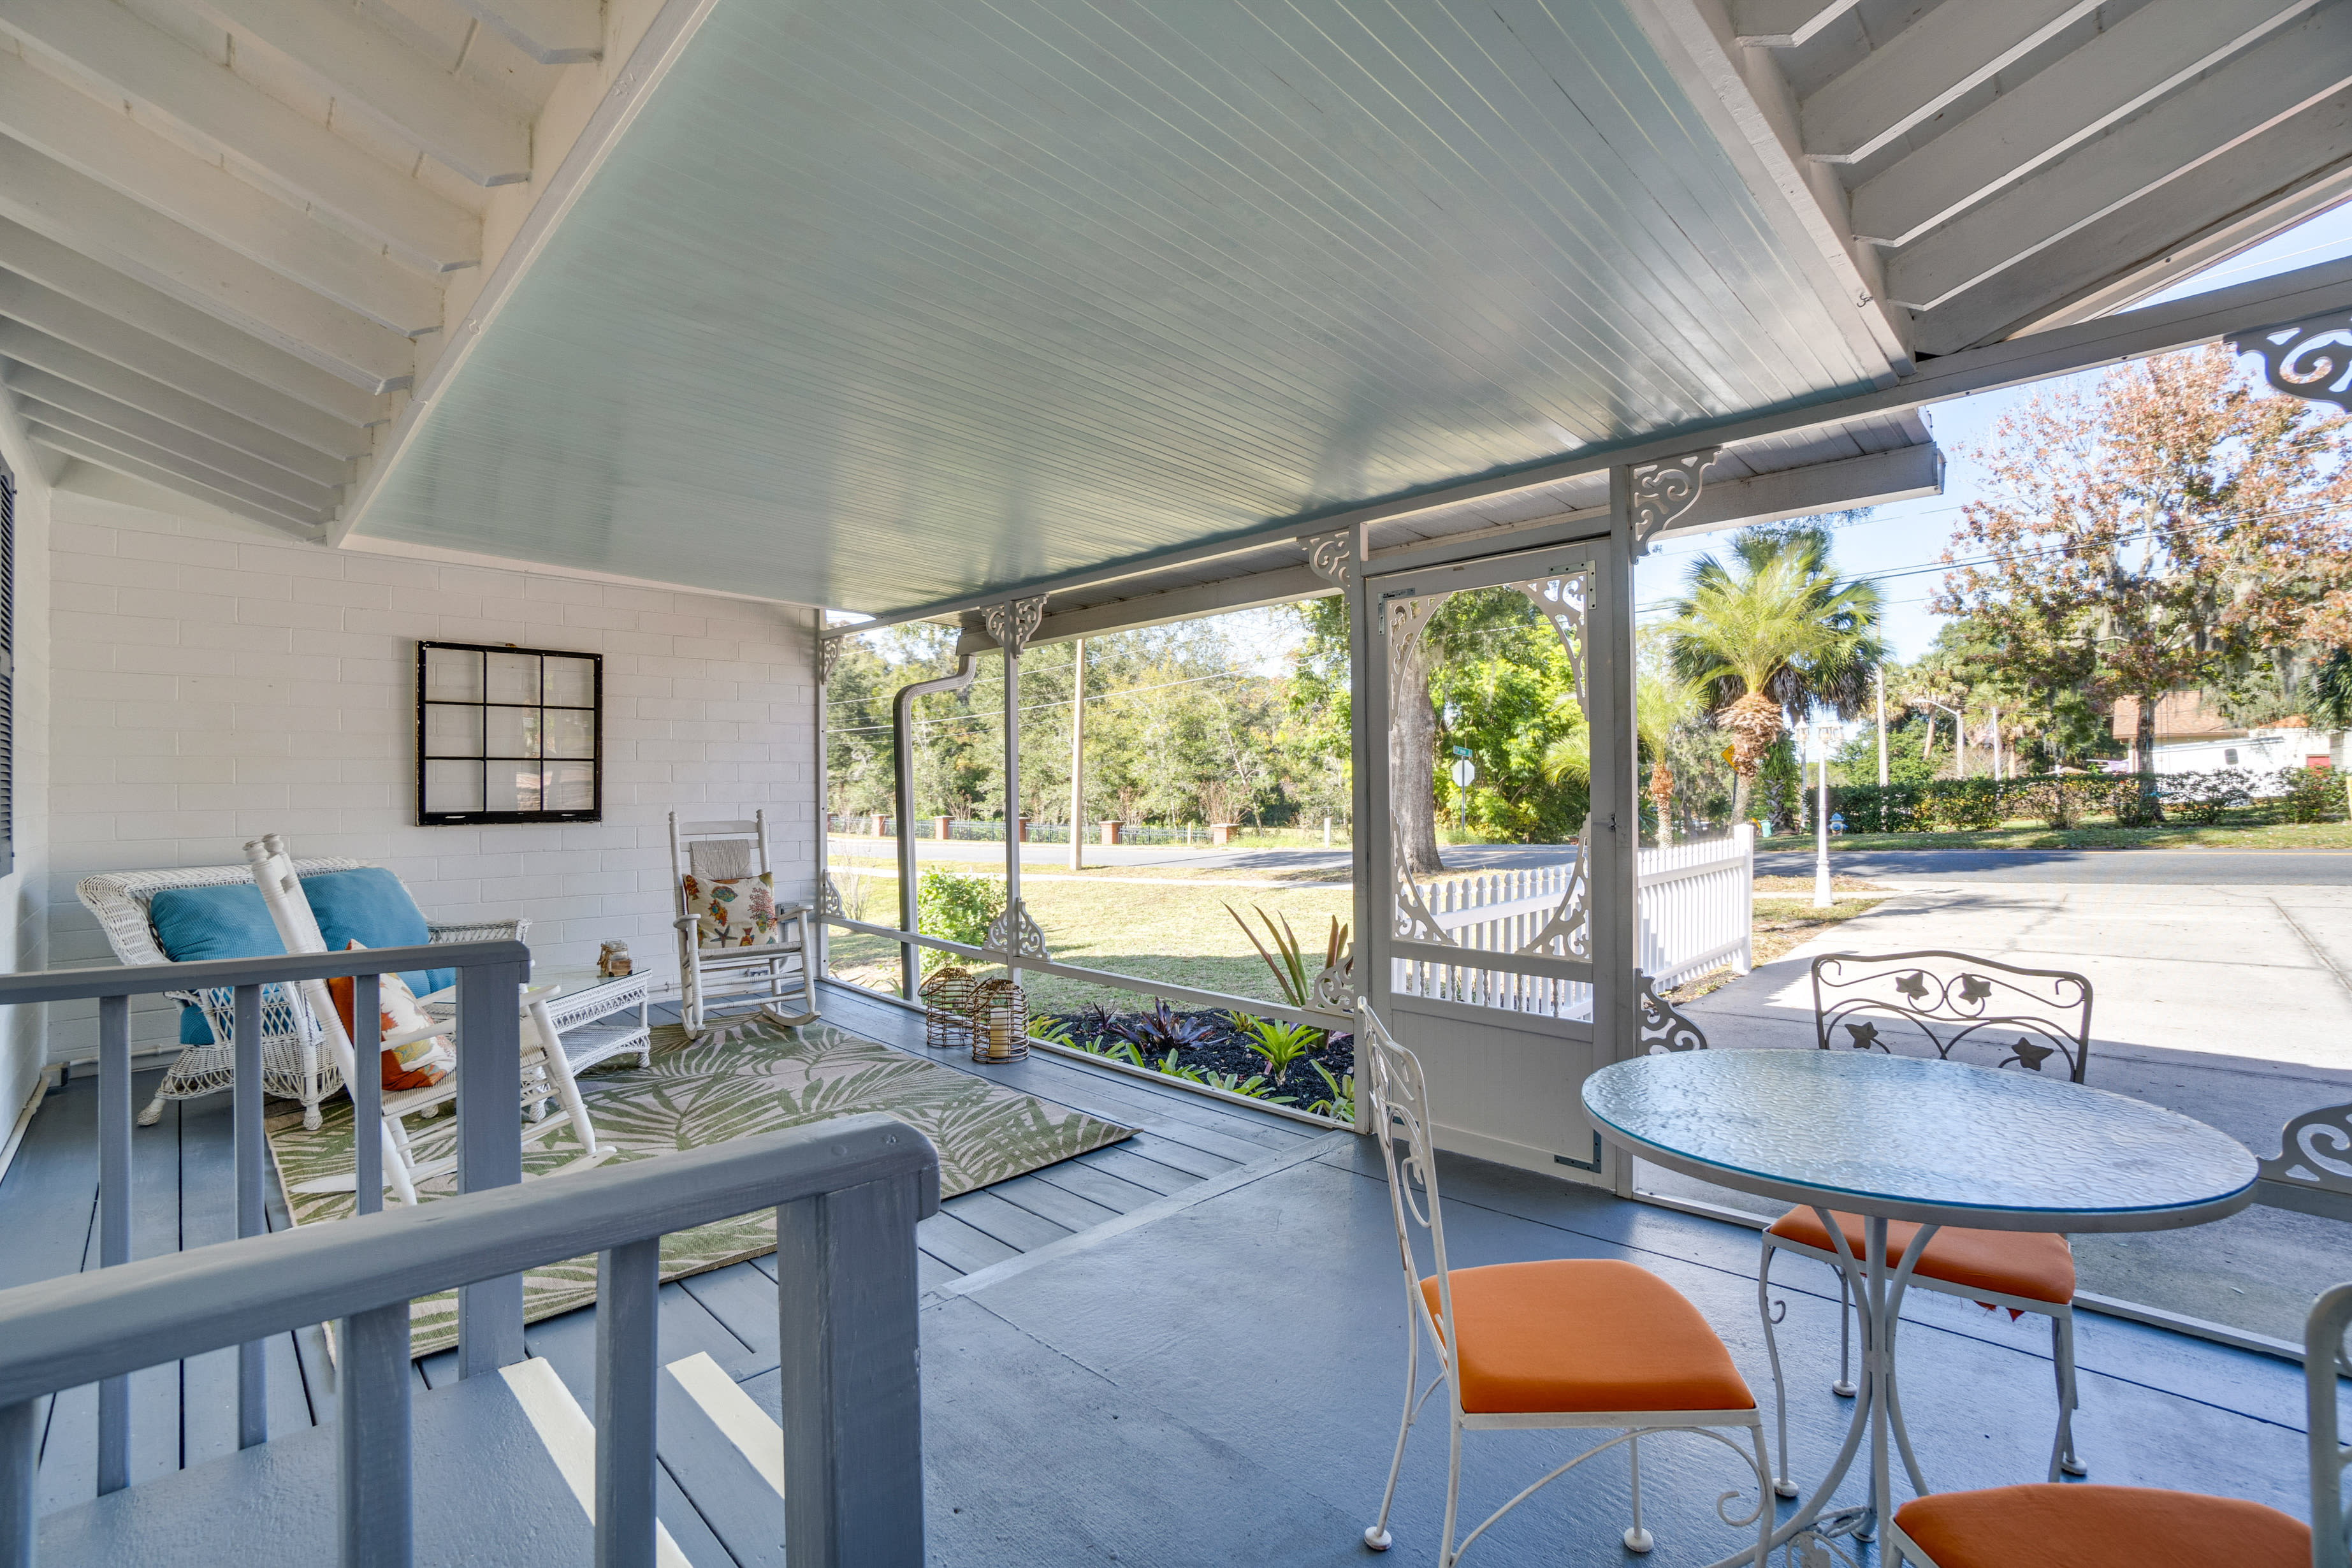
[(754, 1079)]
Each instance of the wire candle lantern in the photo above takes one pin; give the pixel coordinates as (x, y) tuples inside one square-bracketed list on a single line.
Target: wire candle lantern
[(999, 1022), (947, 1009)]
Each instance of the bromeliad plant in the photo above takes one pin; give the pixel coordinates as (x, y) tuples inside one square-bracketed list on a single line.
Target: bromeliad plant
[(1163, 1029), (1291, 977), (1278, 1045)]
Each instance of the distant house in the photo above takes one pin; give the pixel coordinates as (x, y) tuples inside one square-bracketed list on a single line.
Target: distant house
[(2192, 735)]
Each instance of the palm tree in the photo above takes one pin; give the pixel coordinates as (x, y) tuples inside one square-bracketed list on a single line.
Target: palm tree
[(1774, 631), (1661, 701)]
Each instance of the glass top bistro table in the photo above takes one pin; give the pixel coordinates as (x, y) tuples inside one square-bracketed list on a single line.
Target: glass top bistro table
[(1906, 1138)]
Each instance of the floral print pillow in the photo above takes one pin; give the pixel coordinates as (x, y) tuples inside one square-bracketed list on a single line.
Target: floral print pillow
[(738, 911)]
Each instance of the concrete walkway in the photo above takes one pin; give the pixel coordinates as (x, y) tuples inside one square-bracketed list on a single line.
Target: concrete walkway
[(2231, 1003)]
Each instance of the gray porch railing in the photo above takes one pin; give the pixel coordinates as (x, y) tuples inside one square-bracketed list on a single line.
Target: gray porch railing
[(847, 1194), (489, 1126)]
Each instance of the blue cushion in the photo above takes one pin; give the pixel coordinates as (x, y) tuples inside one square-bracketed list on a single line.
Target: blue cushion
[(368, 905)]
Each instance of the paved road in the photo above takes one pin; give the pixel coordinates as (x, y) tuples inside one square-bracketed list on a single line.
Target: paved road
[(2203, 867)]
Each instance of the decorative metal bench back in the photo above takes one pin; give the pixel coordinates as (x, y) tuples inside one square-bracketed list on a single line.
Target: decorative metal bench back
[(1944, 1001)]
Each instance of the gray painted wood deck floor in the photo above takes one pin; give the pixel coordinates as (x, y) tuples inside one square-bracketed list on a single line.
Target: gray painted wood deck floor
[(1206, 1370), (186, 1414)]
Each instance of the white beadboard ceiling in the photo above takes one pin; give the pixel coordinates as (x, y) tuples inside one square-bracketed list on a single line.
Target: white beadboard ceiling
[(878, 305)]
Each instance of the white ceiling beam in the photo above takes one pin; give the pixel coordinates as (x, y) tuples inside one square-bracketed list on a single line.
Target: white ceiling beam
[(552, 32), (40, 465), (83, 215), (2140, 60), (2254, 190), (39, 386), (2270, 83), (281, 515), (1784, 24), (1873, 478), (21, 299), (1746, 102), (1915, 75), (219, 465), (155, 72), (21, 344), (105, 144), (156, 313), (483, 141)]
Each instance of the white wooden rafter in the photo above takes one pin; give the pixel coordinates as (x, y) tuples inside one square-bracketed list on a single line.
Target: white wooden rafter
[(2120, 70), (483, 141), (2266, 88), (31, 386), (156, 73), (140, 309), (43, 112), (297, 523), (552, 32), (41, 353), (94, 331), (205, 461), (81, 214)]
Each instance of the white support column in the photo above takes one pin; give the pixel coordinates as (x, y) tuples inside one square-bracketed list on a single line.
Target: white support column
[(1615, 835), (1879, 676), (1078, 755), (827, 650), (1012, 934)]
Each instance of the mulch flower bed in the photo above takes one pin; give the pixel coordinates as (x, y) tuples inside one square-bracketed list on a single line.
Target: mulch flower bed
[(1208, 1042)]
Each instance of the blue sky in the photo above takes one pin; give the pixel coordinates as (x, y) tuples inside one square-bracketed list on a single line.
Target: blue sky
[(1900, 543)]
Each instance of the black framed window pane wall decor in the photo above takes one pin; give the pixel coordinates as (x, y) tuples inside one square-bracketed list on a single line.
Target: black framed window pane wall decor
[(508, 734)]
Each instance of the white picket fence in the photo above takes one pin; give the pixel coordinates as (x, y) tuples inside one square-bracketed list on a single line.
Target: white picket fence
[(1694, 908)]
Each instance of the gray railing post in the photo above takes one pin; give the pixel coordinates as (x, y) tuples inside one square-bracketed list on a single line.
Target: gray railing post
[(490, 1149), (20, 1457), (113, 1221), (845, 1299), (251, 1154), (376, 1522), (367, 1090), (628, 1296)]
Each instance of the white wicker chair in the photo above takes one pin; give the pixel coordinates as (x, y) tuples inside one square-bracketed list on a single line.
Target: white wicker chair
[(292, 1064)]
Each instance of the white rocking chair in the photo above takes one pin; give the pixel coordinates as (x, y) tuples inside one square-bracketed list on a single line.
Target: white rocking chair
[(770, 973), (546, 1070)]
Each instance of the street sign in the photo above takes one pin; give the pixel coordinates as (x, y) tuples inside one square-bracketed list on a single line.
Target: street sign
[(1463, 771)]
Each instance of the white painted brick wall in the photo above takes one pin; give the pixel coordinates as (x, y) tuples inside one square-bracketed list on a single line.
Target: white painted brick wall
[(215, 682)]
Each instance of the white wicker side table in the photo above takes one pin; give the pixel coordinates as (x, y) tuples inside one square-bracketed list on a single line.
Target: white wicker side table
[(597, 1019)]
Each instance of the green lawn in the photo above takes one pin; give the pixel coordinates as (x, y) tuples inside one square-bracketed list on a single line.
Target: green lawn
[(2094, 835), (1178, 934)]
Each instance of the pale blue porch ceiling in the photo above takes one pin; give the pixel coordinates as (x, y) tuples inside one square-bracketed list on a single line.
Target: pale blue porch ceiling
[(886, 302)]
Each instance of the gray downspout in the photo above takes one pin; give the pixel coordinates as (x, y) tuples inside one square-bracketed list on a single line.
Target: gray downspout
[(902, 712)]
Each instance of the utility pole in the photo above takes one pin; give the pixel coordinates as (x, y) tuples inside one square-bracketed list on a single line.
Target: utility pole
[(1822, 899), (1880, 674), (1078, 757), (1996, 745)]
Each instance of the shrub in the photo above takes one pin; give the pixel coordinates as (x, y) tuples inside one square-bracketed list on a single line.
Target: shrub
[(2312, 795), (1962, 805), (1869, 808), (2137, 801), (2205, 796), (955, 907), (2060, 800)]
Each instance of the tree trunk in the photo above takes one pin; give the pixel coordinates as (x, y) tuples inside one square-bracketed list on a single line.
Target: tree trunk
[(1413, 763), (2144, 743)]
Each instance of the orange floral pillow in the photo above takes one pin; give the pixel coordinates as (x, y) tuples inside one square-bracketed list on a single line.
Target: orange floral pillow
[(419, 1064)]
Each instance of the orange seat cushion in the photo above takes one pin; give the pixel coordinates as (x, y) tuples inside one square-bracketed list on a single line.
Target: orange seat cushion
[(1584, 1336), (2034, 1264), (2090, 1527)]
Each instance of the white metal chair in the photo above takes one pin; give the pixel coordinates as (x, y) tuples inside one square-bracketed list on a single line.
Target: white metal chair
[(291, 1068), (545, 1068), (711, 973), (1941, 1001), (2134, 1527), (1569, 1343)]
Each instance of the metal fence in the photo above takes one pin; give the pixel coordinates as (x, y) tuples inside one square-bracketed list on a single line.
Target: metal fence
[(991, 831), (848, 1193)]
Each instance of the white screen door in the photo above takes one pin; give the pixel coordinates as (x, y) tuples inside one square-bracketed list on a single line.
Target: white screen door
[(1493, 675)]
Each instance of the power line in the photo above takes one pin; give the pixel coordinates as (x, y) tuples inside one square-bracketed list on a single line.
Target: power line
[(1056, 705)]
